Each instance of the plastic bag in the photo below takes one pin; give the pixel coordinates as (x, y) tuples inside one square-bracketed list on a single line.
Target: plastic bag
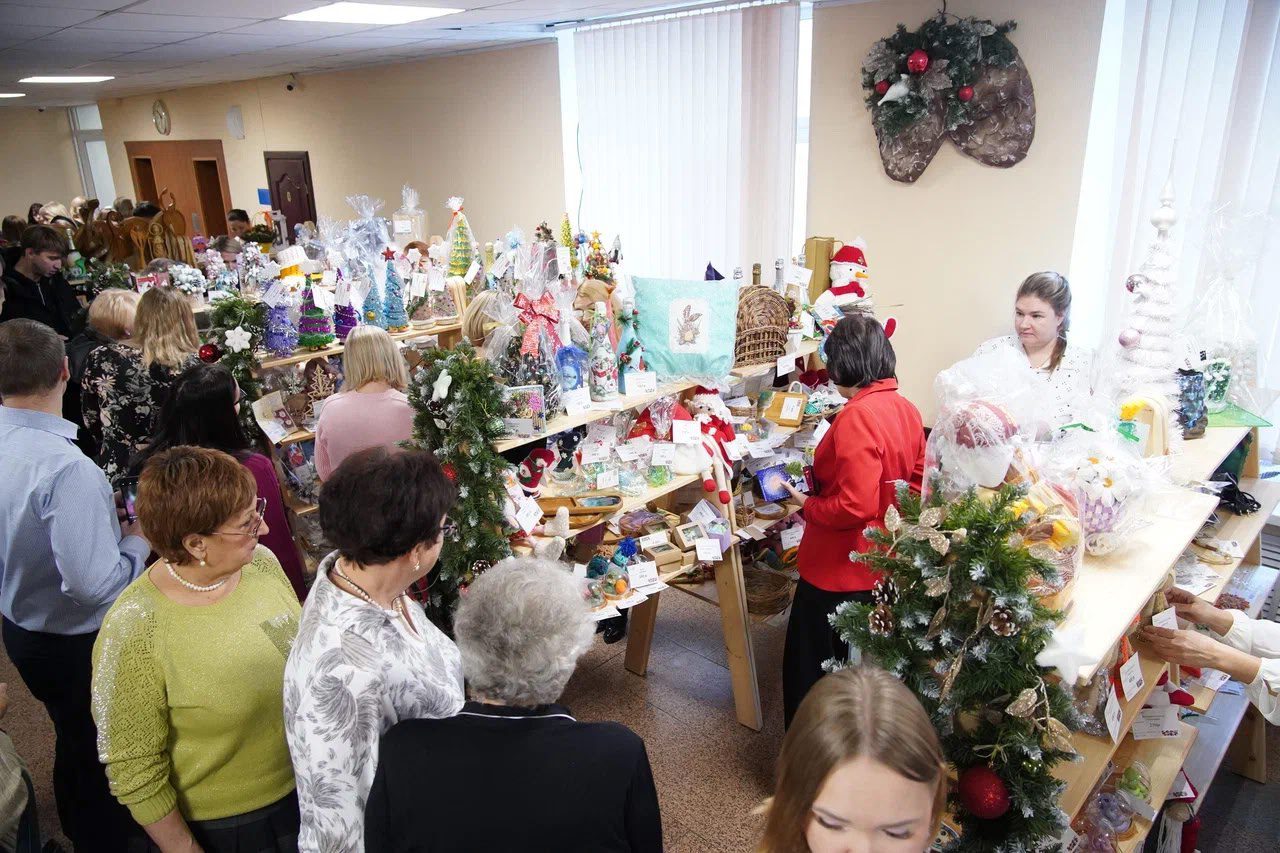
[(409, 223), (524, 346), (366, 237)]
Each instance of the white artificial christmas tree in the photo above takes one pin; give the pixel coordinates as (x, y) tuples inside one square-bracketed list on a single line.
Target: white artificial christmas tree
[(1150, 346)]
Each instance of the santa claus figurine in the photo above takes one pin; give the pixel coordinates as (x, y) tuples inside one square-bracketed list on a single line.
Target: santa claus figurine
[(850, 282), (713, 416)]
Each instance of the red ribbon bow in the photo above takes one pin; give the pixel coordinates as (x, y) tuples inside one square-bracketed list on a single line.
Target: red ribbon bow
[(538, 316)]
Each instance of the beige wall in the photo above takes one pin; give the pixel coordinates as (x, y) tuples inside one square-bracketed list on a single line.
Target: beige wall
[(459, 125), (39, 159), (951, 248)]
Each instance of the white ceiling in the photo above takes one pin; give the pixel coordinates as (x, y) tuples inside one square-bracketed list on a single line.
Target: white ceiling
[(153, 45)]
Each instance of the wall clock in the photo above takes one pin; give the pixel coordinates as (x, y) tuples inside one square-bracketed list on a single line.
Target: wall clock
[(160, 115)]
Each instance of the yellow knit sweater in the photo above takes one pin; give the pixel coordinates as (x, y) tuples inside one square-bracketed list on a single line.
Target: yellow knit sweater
[(189, 700)]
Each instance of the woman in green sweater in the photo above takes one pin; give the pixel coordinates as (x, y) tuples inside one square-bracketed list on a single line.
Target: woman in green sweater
[(188, 669)]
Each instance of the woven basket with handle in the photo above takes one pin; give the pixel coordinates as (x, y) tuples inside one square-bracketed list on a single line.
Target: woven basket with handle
[(763, 318)]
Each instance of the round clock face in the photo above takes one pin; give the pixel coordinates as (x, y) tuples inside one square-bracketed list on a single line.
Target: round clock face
[(160, 115)]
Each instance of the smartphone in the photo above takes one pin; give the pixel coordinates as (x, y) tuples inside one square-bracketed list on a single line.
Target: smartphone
[(129, 497)]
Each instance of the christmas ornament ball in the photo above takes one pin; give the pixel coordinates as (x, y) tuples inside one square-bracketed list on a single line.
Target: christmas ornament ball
[(918, 62), (1130, 338), (450, 472), (965, 93), (209, 353), (882, 87), (983, 792)]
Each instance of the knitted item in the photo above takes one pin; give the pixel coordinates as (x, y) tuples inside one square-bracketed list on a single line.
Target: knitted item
[(281, 336), (345, 319), (315, 329), (393, 301)]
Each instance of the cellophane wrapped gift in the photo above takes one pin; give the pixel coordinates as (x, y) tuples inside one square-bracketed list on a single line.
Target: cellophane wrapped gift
[(366, 238), (524, 345)]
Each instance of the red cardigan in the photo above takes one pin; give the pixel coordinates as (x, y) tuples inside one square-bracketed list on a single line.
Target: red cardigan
[(876, 440)]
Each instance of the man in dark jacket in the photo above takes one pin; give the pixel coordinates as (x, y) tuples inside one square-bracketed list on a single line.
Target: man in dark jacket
[(34, 286)]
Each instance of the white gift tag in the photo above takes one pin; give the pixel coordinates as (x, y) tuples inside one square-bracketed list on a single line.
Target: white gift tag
[(323, 298), (820, 430), (563, 261), (642, 573), (1166, 619), (1131, 680), (792, 408), (703, 513), (797, 274), (626, 453), (1153, 723), (329, 278), (708, 549), (595, 453), (529, 514), (786, 364), (418, 285), (1070, 841), (500, 264), (1213, 679), (603, 614), (435, 279), (1114, 715), (760, 450), (642, 382), (791, 537), (607, 479), (601, 431), (651, 539), (1139, 806), (522, 427), (686, 432), (402, 226), (576, 401), (580, 570), (342, 292), (275, 294), (471, 272), (736, 448), (1181, 789), (664, 453)]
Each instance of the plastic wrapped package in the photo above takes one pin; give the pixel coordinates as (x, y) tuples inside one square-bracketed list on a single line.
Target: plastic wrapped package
[(409, 223), (524, 344), (1053, 534)]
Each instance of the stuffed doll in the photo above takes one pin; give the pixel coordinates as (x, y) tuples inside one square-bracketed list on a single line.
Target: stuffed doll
[(655, 422), (566, 443), (713, 416), (532, 468)]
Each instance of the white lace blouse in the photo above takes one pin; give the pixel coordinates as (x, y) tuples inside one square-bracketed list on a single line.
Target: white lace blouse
[(1071, 381), (354, 672)]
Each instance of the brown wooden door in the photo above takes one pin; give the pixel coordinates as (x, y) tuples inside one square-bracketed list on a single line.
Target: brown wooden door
[(213, 207), (289, 180), (193, 170)]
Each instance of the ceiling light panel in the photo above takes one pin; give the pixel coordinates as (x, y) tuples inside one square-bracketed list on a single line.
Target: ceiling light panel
[(373, 14), (65, 79)]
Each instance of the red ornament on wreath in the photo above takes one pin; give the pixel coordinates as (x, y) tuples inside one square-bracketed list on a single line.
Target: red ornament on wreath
[(209, 353), (965, 93), (450, 472), (918, 62), (882, 87), (983, 792)]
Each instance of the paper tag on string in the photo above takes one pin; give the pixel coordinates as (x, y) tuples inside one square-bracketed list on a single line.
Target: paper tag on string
[(820, 430), (736, 448), (664, 453), (787, 364), (418, 285), (529, 514), (626, 453), (595, 453), (708, 549), (642, 573), (1113, 714), (796, 274), (435, 280), (1131, 680), (323, 298), (500, 264), (791, 537), (686, 432), (563, 261), (471, 272), (275, 294), (329, 278), (342, 292), (607, 479), (1166, 619)]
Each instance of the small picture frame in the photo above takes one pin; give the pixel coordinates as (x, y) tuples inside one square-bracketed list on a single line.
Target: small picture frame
[(528, 415), (687, 534)]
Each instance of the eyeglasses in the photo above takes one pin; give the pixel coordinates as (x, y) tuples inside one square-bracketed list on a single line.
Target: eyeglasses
[(258, 509)]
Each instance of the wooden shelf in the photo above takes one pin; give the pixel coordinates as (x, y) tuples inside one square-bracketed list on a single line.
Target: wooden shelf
[(1198, 458), (633, 501), (1164, 757), (1082, 776), (1244, 529), (336, 349), (306, 510), (1217, 728), (805, 349)]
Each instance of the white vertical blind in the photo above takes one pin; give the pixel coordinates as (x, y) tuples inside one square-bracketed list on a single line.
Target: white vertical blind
[(686, 137)]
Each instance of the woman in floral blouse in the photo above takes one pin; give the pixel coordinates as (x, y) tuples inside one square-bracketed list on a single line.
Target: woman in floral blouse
[(126, 383), (366, 657)]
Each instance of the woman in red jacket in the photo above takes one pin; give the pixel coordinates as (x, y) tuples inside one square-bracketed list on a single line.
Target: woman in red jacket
[(876, 441)]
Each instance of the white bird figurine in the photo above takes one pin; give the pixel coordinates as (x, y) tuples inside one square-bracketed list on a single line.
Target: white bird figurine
[(897, 91)]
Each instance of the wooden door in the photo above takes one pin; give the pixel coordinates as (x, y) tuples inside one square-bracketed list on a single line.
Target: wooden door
[(289, 181), (174, 165), (213, 207), (144, 180)]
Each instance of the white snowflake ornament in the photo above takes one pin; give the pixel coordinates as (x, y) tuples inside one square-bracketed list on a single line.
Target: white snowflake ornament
[(440, 388), (238, 339)]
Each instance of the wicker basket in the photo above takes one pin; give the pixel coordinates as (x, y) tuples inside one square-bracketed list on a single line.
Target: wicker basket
[(763, 318), (768, 592)]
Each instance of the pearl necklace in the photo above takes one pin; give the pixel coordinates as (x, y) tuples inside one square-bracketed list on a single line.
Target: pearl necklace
[(362, 593), (194, 587)]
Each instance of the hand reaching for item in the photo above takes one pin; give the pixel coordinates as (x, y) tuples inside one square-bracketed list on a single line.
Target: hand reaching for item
[(796, 495), (1196, 609), (1192, 648)]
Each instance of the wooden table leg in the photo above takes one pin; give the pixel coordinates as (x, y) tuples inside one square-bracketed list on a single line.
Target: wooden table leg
[(735, 622), (1248, 752), (640, 634)]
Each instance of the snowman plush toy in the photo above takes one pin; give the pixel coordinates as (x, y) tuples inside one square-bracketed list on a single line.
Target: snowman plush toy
[(850, 283)]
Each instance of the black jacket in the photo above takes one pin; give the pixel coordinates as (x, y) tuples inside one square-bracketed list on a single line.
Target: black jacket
[(503, 779), (50, 301)]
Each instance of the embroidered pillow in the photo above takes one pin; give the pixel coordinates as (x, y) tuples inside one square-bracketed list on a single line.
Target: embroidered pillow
[(687, 327)]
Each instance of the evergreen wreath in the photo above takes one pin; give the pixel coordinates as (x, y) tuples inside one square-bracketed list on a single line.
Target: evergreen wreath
[(953, 618), (459, 416), (940, 60), (231, 319), (104, 275)]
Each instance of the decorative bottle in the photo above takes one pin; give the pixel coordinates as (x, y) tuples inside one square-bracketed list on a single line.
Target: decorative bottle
[(603, 380), (755, 274)]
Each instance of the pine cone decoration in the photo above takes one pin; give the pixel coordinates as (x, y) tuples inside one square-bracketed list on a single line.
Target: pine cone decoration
[(885, 591), (882, 621), (1004, 116), (1003, 622), (907, 155)]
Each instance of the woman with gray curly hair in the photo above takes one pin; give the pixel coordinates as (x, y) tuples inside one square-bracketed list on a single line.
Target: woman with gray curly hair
[(560, 784)]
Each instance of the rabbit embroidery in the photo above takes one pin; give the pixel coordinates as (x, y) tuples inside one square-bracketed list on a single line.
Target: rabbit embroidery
[(687, 327)]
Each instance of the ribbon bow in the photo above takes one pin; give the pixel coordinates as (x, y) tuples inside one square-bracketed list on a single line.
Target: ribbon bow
[(538, 316)]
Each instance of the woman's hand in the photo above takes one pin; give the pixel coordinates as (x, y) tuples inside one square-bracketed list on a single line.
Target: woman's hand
[(1193, 608), (1195, 649), (796, 495)]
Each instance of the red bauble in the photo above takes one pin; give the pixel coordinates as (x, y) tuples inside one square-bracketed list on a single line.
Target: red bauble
[(882, 87), (983, 792), (918, 62), (209, 353), (965, 93), (450, 472)]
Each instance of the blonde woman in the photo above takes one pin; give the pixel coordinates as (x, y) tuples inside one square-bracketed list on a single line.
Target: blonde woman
[(125, 383), (860, 769), (372, 410), (111, 319)]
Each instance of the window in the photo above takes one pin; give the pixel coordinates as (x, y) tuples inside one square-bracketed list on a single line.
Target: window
[(91, 153)]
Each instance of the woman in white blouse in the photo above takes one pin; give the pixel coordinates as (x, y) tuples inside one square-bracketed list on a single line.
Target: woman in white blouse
[(1249, 650), (366, 657), (1041, 318)]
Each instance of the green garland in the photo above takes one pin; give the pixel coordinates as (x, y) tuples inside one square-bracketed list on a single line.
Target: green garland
[(237, 313), (958, 48), (102, 275), (956, 623), (459, 419)]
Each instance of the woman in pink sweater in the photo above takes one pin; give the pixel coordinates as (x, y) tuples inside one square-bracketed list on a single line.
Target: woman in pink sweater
[(373, 410)]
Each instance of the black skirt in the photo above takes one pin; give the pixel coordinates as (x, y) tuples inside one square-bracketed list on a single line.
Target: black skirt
[(270, 829)]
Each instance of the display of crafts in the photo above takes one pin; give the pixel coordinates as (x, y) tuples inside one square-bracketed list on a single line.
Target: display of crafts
[(1105, 486)]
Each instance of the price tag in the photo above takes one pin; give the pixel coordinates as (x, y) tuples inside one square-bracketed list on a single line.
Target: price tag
[(1231, 548), (1139, 806), (664, 453), (760, 450), (1113, 714), (435, 279), (651, 539), (1213, 679), (607, 479), (342, 292), (1071, 842), (791, 409), (275, 294), (820, 430), (1154, 723), (500, 264), (791, 537), (418, 284), (402, 226), (786, 364), (736, 448), (642, 382), (563, 261), (1166, 619), (576, 401), (323, 298), (642, 573), (627, 453), (703, 513), (797, 274), (603, 613), (708, 550), (686, 432), (529, 514), (522, 427), (329, 278), (471, 272), (1181, 789), (1131, 680), (595, 453), (600, 431)]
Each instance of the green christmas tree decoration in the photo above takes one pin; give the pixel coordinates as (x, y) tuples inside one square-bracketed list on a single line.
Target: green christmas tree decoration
[(371, 308), (954, 620), (462, 247), (458, 416), (315, 327), (566, 239), (393, 301)]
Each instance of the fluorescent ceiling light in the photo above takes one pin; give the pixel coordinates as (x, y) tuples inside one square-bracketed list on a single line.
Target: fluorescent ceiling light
[(65, 79), (376, 14), (12, 95)]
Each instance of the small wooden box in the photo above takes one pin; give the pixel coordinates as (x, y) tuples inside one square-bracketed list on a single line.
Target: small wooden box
[(786, 408), (664, 555)]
